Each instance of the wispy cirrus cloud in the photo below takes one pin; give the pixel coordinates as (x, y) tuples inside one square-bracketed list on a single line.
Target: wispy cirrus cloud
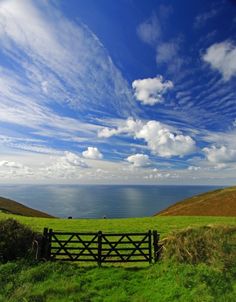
[(152, 32), (55, 64), (201, 19)]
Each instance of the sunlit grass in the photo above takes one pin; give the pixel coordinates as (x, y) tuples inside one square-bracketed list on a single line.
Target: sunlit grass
[(163, 225), (167, 281)]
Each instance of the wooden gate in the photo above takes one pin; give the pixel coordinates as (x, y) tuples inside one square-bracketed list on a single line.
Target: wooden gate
[(100, 247)]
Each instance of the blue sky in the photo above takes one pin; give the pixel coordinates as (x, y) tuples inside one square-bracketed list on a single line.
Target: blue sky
[(118, 92)]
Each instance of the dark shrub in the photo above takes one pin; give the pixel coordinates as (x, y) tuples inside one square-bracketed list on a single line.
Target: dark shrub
[(16, 240)]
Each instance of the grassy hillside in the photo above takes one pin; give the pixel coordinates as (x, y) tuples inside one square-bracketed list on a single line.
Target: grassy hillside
[(13, 207), (215, 203)]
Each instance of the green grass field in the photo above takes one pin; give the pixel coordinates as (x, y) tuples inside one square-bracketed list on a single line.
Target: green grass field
[(64, 282), (163, 224), (24, 281)]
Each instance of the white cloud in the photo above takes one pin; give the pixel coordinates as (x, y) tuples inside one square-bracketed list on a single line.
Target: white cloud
[(222, 56), (128, 126), (47, 169), (220, 155), (138, 160), (92, 153), (58, 58), (10, 164), (166, 51), (150, 91), (106, 132), (11, 169), (161, 139), (67, 166), (150, 30), (194, 168), (71, 159)]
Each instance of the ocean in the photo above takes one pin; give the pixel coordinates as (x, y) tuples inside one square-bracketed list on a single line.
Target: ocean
[(97, 201)]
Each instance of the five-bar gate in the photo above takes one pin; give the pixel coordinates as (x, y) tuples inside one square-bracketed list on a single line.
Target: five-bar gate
[(100, 247)]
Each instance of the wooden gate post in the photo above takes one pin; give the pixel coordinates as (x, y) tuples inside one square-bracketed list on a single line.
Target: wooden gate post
[(48, 250), (150, 245), (43, 244), (156, 246), (99, 248)]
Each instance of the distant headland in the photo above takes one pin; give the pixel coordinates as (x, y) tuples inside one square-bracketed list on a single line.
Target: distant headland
[(221, 202), (13, 207)]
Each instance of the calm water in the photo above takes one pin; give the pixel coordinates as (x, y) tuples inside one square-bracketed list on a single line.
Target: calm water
[(97, 201)]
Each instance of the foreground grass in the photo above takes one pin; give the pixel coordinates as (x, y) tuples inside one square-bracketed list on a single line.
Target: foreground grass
[(42, 282), (163, 224)]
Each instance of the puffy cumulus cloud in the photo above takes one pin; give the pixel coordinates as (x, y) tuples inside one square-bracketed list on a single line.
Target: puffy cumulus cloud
[(165, 143), (194, 168), (10, 164), (92, 153), (107, 132), (160, 139), (222, 56), (220, 155), (150, 91), (128, 126), (162, 176), (12, 169), (138, 160), (71, 159), (66, 166)]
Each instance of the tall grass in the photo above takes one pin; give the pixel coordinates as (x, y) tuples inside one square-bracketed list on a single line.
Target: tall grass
[(214, 246)]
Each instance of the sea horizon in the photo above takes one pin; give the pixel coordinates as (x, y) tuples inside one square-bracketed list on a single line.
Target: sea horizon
[(98, 201)]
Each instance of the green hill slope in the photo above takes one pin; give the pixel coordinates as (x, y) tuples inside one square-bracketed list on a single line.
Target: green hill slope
[(215, 203), (13, 207)]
